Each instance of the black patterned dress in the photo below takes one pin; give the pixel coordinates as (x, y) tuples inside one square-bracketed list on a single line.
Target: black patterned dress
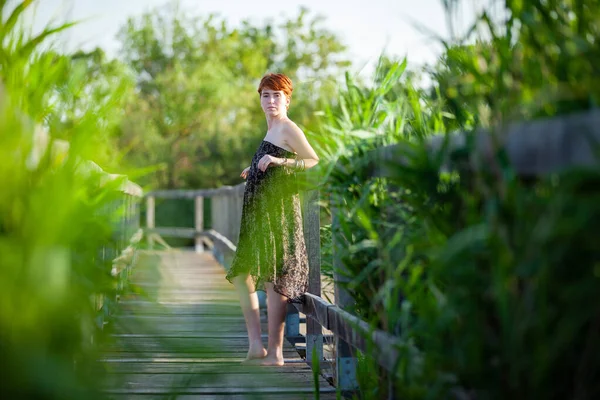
[(271, 245)]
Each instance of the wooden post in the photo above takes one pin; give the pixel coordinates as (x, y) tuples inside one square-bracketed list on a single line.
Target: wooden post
[(230, 215), (345, 361), (239, 204), (237, 216), (216, 213), (199, 222), (150, 219), (292, 324), (312, 237)]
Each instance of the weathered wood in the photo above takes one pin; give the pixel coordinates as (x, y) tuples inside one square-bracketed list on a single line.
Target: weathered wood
[(356, 332), (149, 367), (312, 235), (150, 219), (345, 360), (238, 199), (315, 308), (292, 324), (229, 218), (199, 222), (223, 335), (183, 347), (214, 201), (225, 379), (223, 249), (229, 352), (280, 391), (247, 396)]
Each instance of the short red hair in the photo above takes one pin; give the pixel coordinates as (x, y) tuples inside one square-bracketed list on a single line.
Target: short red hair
[(276, 82)]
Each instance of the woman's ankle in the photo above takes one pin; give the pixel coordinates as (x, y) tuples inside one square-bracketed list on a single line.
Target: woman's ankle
[(256, 345)]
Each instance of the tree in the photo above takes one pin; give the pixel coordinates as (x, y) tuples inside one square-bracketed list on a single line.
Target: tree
[(197, 114), (87, 102)]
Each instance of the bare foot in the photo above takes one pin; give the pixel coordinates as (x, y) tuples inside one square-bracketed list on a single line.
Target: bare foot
[(254, 355), (270, 360)]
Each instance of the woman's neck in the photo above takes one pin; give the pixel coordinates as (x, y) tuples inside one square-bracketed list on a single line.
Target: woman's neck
[(274, 121)]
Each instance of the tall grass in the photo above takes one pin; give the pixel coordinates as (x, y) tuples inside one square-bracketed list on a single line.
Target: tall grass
[(490, 282), (52, 227)]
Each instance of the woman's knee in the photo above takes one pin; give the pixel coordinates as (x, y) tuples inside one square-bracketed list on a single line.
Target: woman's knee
[(244, 282)]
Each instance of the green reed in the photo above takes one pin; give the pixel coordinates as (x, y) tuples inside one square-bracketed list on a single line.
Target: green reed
[(489, 282), (53, 215)]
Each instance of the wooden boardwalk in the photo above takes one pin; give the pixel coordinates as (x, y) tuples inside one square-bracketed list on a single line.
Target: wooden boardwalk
[(183, 336)]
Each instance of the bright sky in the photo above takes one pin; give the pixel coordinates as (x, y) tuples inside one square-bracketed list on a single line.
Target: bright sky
[(365, 26)]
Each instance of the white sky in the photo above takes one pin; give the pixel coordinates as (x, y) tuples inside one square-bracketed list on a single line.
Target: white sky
[(365, 26)]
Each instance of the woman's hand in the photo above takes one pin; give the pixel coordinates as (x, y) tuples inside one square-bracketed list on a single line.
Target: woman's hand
[(267, 160), (244, 173)]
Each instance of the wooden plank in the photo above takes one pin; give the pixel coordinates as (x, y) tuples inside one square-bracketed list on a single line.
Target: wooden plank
[(191, 335), (224, 379), (150, 218), (180, 360), (281, 391), (150, 308), (238, 353), (316, 308), (177, 344), (223, 248), (353, 330), (174, 326), (183, 295), (199, 222), (238, 201), (199, 368), (191, 348), (228, 220), (312, 234), (345, 375), (247, 396), (292, 323)]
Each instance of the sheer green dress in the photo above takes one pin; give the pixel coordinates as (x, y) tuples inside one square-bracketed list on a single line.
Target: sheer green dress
[(271, 245)]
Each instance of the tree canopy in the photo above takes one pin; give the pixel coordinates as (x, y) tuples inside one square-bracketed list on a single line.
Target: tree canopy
[(196, 113)]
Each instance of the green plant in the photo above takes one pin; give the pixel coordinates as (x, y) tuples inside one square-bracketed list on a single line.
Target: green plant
[(56, 216), (488, 280)]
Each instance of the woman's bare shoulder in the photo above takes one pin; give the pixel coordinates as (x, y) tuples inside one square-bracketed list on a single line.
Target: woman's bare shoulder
[(293, 129)]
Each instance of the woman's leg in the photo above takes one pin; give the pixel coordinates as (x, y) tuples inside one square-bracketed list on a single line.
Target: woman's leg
[(249, 303), (276, 309)]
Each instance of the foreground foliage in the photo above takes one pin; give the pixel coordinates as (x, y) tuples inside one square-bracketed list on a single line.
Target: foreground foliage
[(489, 280), (55, 213)]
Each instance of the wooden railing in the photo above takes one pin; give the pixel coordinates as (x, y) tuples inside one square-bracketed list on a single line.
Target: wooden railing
[(120, 253), (533, 149), (226, 205)]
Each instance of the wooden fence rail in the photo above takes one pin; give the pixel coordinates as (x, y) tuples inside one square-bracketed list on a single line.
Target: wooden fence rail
[(119, 254)]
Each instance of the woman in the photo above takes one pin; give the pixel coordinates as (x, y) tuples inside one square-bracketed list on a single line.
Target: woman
[(271, 249)]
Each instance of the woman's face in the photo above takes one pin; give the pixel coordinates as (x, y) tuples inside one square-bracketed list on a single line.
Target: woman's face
[(274, 102)]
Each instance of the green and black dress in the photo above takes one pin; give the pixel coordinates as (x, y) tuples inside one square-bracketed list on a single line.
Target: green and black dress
[(271, 244)]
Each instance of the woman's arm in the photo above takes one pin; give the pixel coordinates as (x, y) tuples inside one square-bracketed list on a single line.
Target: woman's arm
[(296, 140)]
